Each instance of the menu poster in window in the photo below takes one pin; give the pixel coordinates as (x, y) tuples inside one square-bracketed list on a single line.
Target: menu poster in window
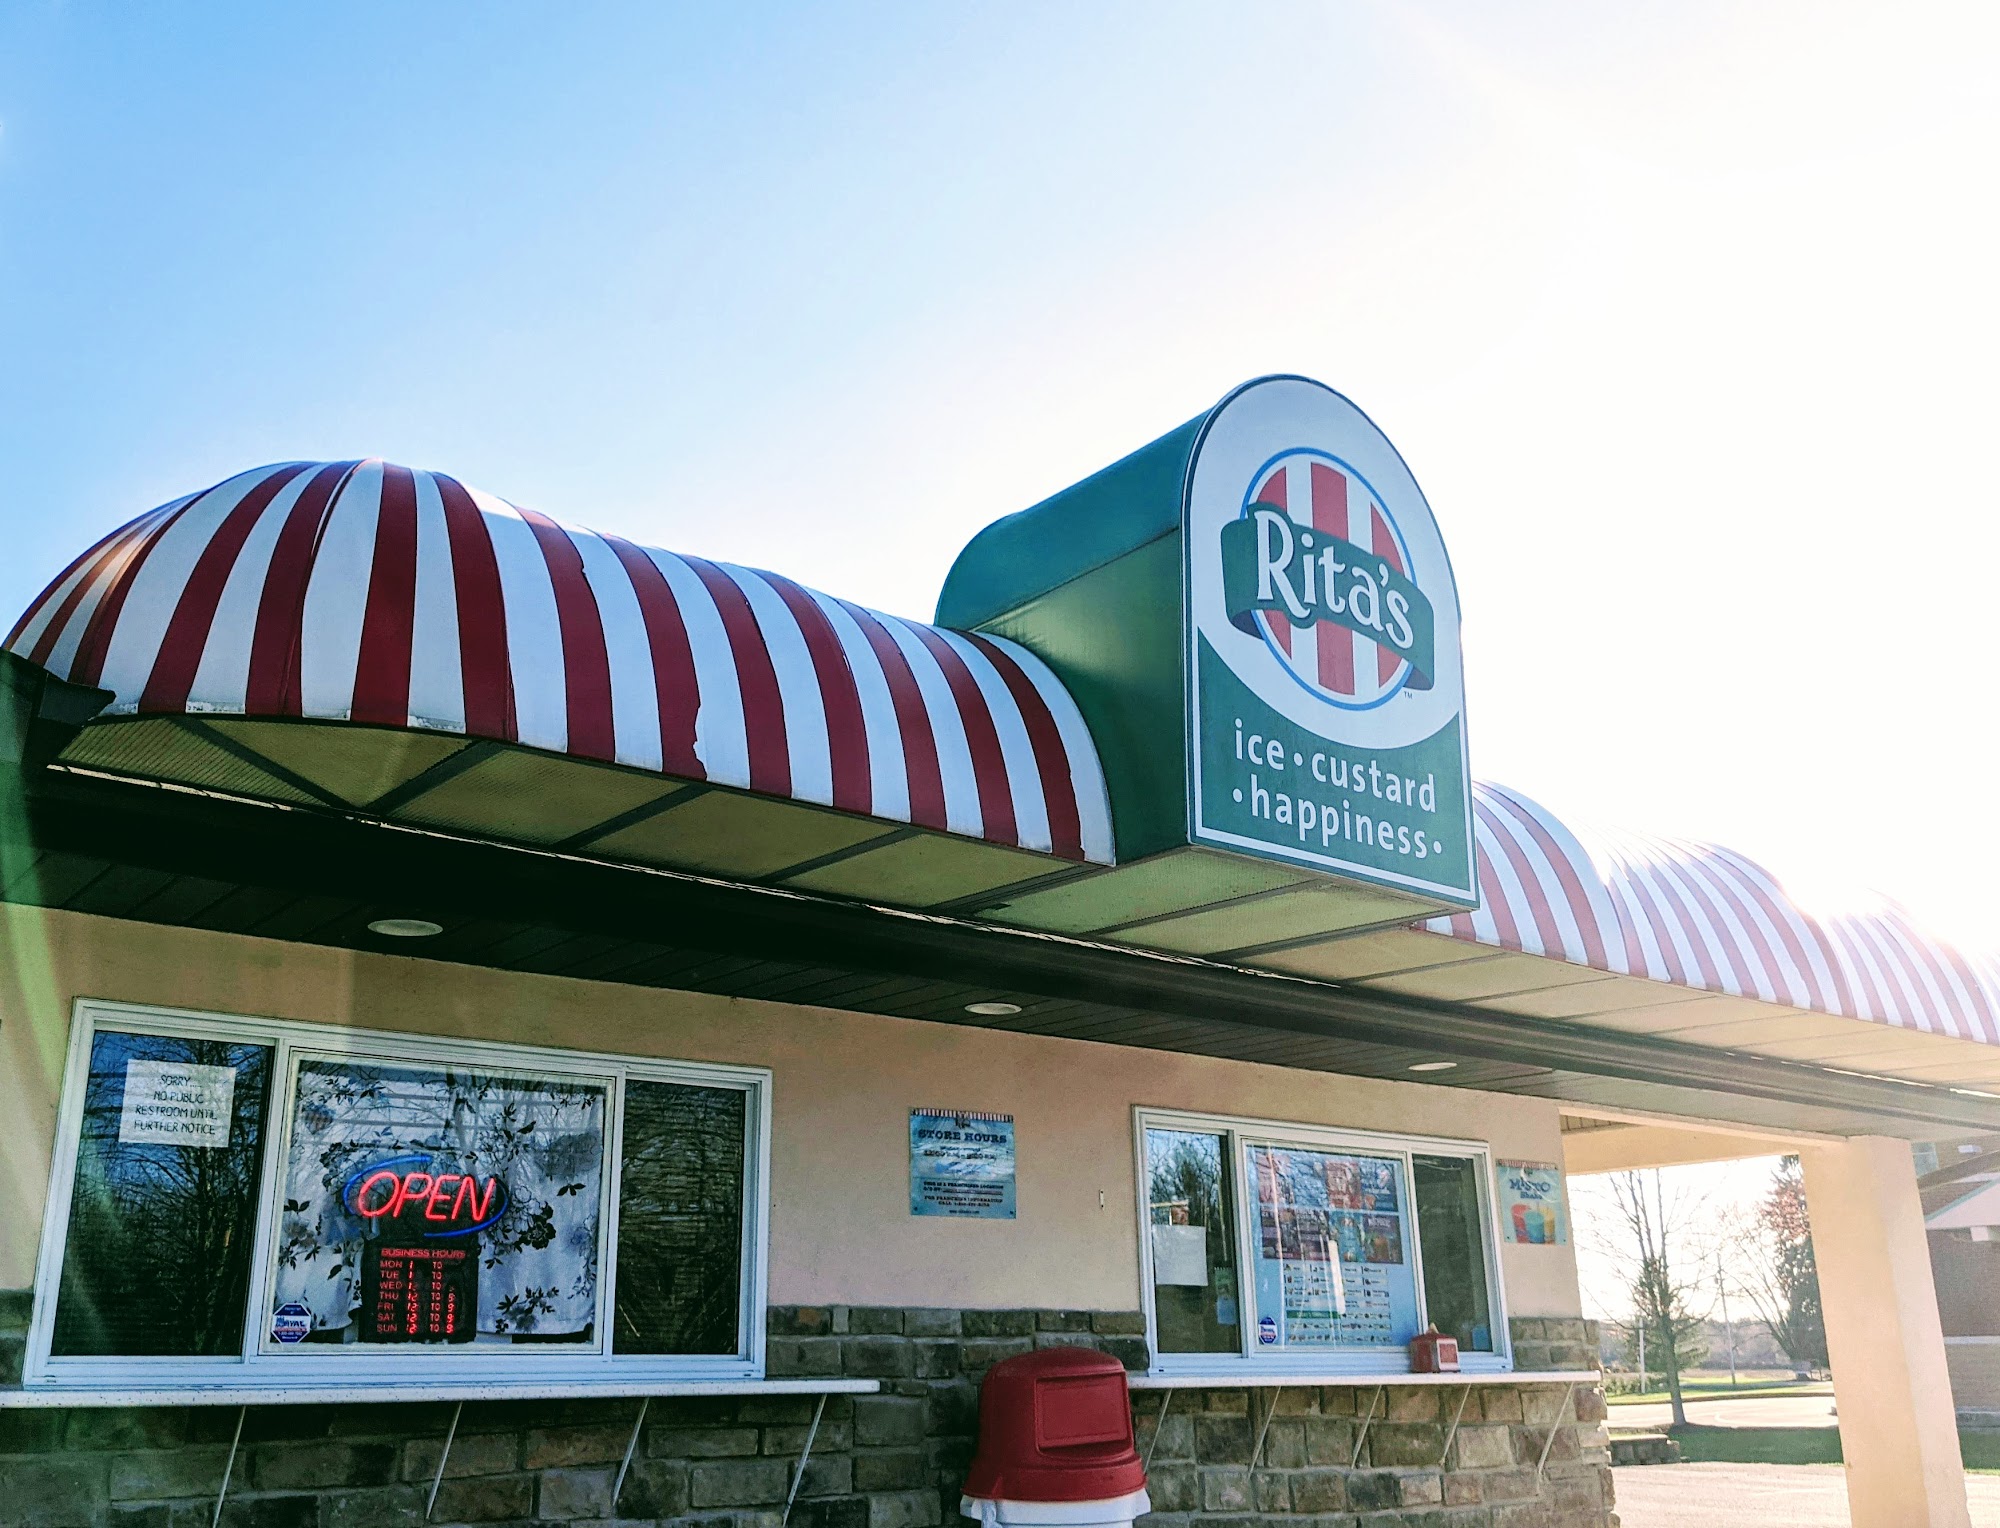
[(170, 1103), (962, 1164), (1531, 1203), (1332, 1257)]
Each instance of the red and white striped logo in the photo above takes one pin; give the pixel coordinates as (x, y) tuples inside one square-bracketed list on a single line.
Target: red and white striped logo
[(1322, 493)]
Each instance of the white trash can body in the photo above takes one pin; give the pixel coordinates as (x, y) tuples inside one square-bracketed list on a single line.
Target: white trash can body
[(1114, 1512)]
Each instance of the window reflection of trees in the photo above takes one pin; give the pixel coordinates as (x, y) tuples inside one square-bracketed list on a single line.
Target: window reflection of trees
[(680, 1220), (157, 1259), (1186, 1178), (1186, 1186)]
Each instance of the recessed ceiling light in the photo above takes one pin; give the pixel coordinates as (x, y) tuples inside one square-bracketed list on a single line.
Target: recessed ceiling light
[(405, 928), (1433, 1066), (992, 1010)]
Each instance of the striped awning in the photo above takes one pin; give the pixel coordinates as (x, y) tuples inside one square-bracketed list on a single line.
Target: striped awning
[(1699, 916), (370, 593)]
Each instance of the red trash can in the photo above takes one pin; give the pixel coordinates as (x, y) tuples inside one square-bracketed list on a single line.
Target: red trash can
[(1055, 1444)]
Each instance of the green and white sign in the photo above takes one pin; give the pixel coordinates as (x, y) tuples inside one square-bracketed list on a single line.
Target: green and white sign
[(1325, 690)]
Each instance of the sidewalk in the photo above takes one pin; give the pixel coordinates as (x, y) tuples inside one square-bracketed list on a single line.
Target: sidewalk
[(1795, 1495), (1744, 1411)]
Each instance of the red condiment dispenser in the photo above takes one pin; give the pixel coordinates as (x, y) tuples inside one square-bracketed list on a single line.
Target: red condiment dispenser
[(1432, 1352)]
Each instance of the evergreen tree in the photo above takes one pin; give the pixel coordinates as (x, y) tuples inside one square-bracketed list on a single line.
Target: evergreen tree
[(1786, 1288)]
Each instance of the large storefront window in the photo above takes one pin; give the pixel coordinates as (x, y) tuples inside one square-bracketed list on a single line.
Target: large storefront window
[(1297, 1247), (322, 1206)]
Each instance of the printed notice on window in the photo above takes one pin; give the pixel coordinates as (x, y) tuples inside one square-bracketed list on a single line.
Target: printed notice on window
[(170, 1103), (962, 1164)]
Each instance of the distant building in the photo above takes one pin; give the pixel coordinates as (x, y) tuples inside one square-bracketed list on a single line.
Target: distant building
[(1960, 1185)]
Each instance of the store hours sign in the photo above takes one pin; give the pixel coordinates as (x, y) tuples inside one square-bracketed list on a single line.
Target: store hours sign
[(1326, 698), (962, 1164)]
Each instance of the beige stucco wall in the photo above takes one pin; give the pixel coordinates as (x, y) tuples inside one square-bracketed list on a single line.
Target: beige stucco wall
[(843, 1085)]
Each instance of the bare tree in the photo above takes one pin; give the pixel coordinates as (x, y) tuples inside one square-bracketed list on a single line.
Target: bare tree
[(1664, 1272)]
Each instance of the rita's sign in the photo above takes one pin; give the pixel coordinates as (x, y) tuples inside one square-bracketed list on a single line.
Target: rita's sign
[(1326, 701)]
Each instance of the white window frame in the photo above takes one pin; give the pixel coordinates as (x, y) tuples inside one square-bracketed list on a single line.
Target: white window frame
[(259, 1364), (1239, 1135)]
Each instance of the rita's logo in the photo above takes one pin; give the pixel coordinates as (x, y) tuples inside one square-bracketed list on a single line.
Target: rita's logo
[(403, 1194), (1316, 567)]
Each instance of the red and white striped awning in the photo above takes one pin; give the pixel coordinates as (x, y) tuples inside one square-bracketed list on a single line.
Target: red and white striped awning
[(367, 592), (1694, 915)]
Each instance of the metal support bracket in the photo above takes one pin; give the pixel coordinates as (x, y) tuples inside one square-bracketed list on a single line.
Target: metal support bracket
[(1464, 1395), (1166, 1400), (1562, 1416), (1269, 1412), (626, 1464), (229, 1469), (444, 1453), (799, 1475), (1361, 1438)]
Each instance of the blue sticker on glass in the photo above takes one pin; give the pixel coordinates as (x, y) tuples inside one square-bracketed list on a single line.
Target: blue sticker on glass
[(290, 1323)]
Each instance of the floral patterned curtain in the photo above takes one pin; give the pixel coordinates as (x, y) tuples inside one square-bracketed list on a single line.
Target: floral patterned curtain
[(543, 1138)]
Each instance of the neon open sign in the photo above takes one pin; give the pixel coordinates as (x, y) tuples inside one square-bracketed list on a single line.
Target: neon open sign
[(403, 1193)]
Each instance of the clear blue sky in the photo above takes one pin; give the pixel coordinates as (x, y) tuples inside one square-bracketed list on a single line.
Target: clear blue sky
[(1684, 316)]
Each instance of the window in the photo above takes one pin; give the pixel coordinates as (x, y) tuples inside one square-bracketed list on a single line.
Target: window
[(1297, 1247), (264, 1203)]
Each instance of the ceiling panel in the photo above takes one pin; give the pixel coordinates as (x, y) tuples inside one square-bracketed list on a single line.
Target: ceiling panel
[(1473, 980), (1361, 955), (532, 798), (1282, 915), (1774, 1024), (1681, 1017), (1613, 994), (357, 764), (1858, 1041), (164, 749), (1151, 888), (729, 833), (923, 870)]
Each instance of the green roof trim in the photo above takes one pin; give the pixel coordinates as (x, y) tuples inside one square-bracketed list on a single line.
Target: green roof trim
[(1109, 514)]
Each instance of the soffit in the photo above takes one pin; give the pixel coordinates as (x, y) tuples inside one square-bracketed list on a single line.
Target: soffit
[(98, 845)]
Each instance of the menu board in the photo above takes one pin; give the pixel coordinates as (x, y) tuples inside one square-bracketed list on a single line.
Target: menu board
[(1333, 1265), (418, 1294)]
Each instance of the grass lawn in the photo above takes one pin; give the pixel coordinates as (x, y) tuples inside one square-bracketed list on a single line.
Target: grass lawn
[(1804, 1445)]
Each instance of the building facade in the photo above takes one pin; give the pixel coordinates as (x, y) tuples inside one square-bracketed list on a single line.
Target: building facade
[(500, 1023)]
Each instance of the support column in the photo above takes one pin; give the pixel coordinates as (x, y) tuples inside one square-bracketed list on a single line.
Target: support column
[(1898, 1430)]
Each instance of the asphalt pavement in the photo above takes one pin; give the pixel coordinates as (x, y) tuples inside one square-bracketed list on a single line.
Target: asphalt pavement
[(1766, 1495)]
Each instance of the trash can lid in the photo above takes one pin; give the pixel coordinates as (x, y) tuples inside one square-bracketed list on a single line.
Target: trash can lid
[(1056, 1426)]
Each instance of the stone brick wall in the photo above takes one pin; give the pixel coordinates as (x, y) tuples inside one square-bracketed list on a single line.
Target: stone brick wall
[(1325, 1461), (892, 1460)]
